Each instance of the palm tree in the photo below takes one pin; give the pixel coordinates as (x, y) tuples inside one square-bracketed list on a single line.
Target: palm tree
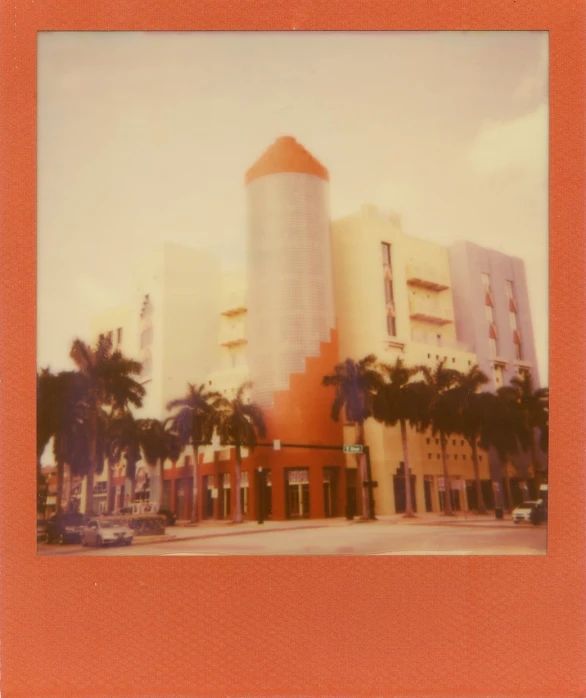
[(503, 430), (534, 408), (472, 409), (122, 441), (158, 443), (60, 416), (441, 415), (356, 383), (191, 422), (109, 382), (238, 422), (400, 400)]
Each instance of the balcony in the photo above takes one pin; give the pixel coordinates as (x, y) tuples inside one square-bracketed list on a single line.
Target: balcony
[(233, 336), (434, 340), (420, 309), (427, 277), (233, 304)]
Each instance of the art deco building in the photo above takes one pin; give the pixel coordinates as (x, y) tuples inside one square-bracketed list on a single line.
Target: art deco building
[(315, 293)]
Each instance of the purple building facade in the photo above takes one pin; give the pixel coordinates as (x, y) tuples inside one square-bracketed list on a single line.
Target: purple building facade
[(492, 312), (493, 317)]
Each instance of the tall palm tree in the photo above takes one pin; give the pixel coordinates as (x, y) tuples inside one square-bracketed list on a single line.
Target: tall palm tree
[(122, 442), (472, 409), (109, 383), (441, 415), (534, 408), (356, 383), (158, 443), (238, 422), (503, 430), (399, 400), (192, 423), (60, 417)]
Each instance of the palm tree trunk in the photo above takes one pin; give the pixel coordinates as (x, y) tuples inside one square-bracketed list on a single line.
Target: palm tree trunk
[(237, 467), (194, 508), (447, 482), (408, 506), (93, 437), (109, 476), (60, 469), (535, 462), (480, 505), (508, 488), (365, 516)]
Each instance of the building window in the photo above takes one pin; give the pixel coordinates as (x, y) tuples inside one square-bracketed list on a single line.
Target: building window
[(388, 286), (518, 352), (119, 335), (513, 320), (429, 455), (427, 440), (509, 289), (488, 313), (485, 282), (492, 345)]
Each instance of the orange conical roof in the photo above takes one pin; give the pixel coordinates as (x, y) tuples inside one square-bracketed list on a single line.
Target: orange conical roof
[(286, 155)]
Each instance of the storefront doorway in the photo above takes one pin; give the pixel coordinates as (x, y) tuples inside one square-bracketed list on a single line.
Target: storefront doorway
[(297, 493)]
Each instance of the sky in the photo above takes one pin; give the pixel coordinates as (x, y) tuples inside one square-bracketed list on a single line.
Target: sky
[(145, 137)]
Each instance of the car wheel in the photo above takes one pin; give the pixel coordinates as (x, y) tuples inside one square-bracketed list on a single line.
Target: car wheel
[(99, 541), (516, 521), (128, 542)]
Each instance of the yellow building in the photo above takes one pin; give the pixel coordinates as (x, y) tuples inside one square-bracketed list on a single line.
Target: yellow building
[(393, 298)]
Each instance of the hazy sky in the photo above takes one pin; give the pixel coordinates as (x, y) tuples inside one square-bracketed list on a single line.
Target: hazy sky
[(145, 137)]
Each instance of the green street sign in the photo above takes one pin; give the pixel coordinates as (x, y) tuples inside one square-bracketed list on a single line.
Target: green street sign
[(356, 448)]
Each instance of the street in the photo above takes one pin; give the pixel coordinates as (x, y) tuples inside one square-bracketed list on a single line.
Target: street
[(373, 538)]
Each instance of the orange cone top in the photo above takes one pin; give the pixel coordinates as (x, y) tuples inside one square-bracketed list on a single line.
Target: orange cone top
[(286, 155)]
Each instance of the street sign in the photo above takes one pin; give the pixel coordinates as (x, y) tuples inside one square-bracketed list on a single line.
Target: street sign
[(356, 448)]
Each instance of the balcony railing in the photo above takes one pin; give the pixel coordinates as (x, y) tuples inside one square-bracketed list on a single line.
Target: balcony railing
[(232, 337), (436, 341), (233, 304), (427, 277), (430, 312)]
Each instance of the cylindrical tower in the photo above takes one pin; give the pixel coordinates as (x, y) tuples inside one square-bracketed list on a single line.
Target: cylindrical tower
[(290, 285)]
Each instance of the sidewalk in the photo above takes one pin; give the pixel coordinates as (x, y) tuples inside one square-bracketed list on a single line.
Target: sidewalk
[(213, 529)]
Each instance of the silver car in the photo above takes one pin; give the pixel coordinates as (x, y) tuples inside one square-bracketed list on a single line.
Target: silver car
[(99, 532)]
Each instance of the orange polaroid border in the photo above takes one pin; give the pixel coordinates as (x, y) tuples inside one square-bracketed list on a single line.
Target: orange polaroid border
[(76, 627)]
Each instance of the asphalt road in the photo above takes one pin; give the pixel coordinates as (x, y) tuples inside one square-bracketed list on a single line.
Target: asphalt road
[(369, 539)]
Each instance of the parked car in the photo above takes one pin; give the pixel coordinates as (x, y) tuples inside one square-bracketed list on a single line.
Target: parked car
[(169, 515), (41, 530), (65, 528), (99, 532), (531, 511)]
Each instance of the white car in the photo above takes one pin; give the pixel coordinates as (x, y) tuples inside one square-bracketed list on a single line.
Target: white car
[(105, 533), (525, 510)]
